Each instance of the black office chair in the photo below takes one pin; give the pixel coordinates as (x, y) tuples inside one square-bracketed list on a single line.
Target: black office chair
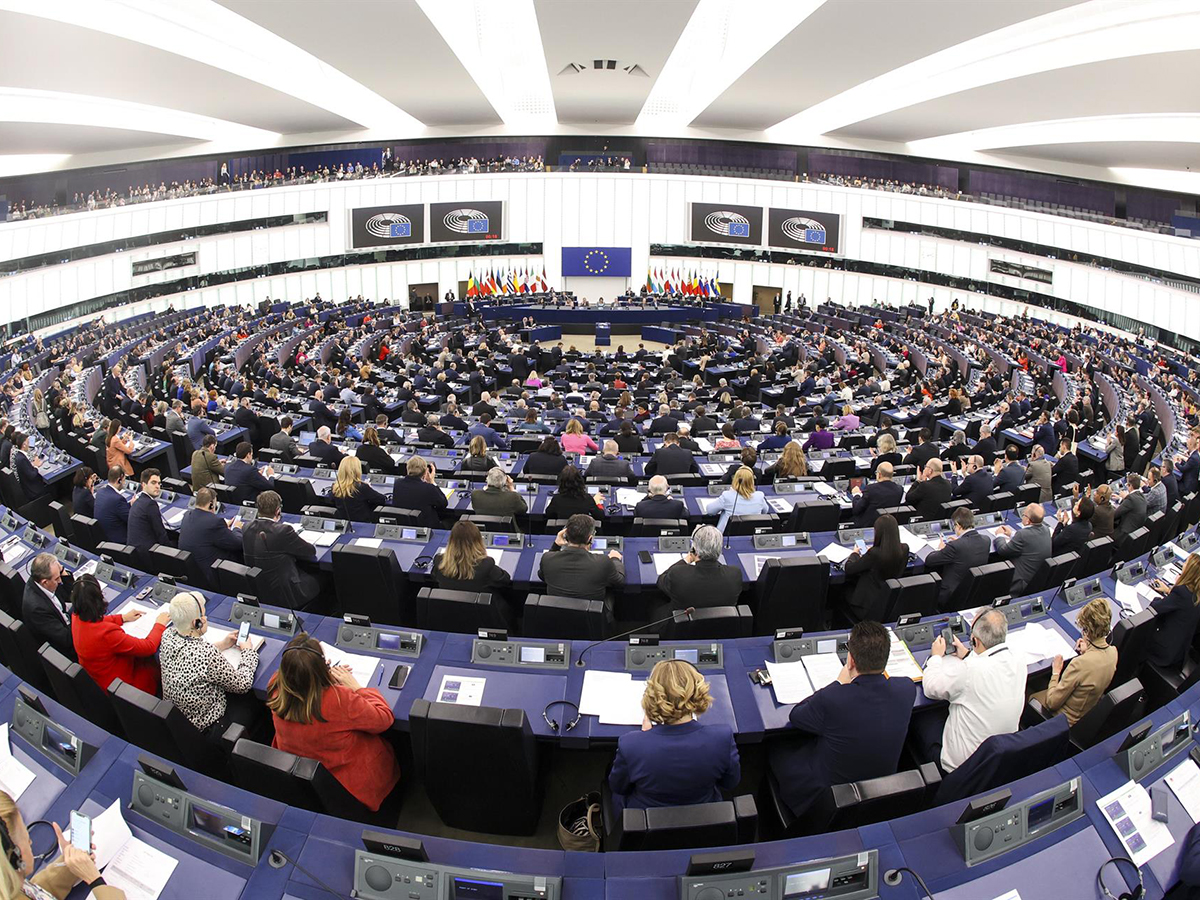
[(62, 521), (86, 532), (75, 689), (754, 524), (563, 618), (1132, 638), (300, 781), (1097, 557), (912, 594), (370, 582), (1005, 758), (318, 509), (1157, 524), (1053, 571), (295, 493), (902, 514), (716, 824), (398, 515), (1116, 711), (791, 592), (856, 803), (158, 727), (462, 612), (814, 516), (1026, 494), (19, 648), (643, 527), (448, 743), (1135, 544), (233, 578), (12, 590), (125, 555), (179, 564), (181, 444), (984, 584), (999, 501), (710, 623)]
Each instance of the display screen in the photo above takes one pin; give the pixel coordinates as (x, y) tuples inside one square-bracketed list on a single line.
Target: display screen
[(789, 540), (387, 640), (802, 884), (1039, 814), (58, 741), (270, 620), (409, 534), (207, 822), (329, 524), (533, 654), (500, 540), (469, 889), (599, 543), (828, 645), (691, 655)]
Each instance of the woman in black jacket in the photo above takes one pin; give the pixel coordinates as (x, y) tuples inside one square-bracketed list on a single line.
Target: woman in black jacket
[(83, 503), (465, 565), (477, 457), (547, 459), (1177, 615), (886, 559), (628, 440), (371, 454), (572, 497), (352, 497)]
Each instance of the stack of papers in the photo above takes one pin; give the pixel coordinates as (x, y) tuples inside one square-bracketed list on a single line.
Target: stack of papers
[(14, 776), (914, 542), (612, 696), (1184, 780), (319, 538), (363, 667), (233, 655), (664, 561), (825, 489), (369, 543), (1133, 598), (174, 517), (709, 502), (140, 627), (901, 663), (1037, 642), (629, 497), (130, 864), (463, 690), (836, 553), (759, 562), (790, 681), (705, 445), (822, 668), (1127, 810)]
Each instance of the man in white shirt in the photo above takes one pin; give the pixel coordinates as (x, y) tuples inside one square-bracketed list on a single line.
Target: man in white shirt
[(985, 686)]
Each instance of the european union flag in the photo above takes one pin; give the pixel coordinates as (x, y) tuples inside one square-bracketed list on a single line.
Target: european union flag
[(739, 229), (477, 226), (402, 229), (814, 235), (601, 261)]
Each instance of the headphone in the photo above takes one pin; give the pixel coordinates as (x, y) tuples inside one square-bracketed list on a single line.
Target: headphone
[(553, 723), (10, 849), (422, 562), (1136, 894), (196, 623)]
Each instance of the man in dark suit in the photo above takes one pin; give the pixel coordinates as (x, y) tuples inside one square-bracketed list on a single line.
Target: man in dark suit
[(31, 480), (112, 509), (1044, 434), (417, 490), (609, 463), (1130, 515), (666, 422), (322, 448), (570, 569), (658, 503), (925, 450), (977, 485), (671, 459), (702, 423), (244, 417), (484, 429), (412, 414), (1073, 532), (431, 433), (880, 494), (1027, 548), (931, 492), (1011, 475), (283, 442), (1170, 481), (1066, 467), (484, 406), (146, 526), (241, 475), (985, 446), (700, 579), (499, 497), (274, 546), (322, 415), (1189, 469), (968, 548), (854, 728), (206, 536), (386, 435), (46, 605)]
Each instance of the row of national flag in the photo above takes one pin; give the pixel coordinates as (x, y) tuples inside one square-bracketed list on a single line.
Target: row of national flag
[(689, 283), (514, 281)]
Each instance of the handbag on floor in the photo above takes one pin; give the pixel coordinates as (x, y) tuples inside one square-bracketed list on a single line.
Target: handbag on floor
[(579, 824)]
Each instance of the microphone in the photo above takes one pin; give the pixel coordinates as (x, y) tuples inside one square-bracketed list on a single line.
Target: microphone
[(732, 513), (673, 617), (893, 877)]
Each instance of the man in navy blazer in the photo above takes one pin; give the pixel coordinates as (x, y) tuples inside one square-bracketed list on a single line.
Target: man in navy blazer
[(483, 428), (658, 503), (205, 535), (881, 494), (956, 557), (1011, 474), (1044, 435), (322, 448), (146, 526), (855, 727), (112, 509), (1189, 469), (321, 414), (977, 485), (241, 474)]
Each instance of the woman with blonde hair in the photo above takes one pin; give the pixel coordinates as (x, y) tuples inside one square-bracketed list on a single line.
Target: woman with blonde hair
[(792, 463), (465, 565), (740, 500), (885, 451), (477, 459), (674, 760), (355, 500), (323, 713), (1177, 613), (1076, 688), (575, 441), (58, 878)]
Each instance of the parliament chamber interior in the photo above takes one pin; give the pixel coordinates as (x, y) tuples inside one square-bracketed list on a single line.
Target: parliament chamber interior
[(467, 450)]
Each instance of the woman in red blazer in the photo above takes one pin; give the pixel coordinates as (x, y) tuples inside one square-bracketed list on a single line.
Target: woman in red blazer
[(105, 651), (323, 713)]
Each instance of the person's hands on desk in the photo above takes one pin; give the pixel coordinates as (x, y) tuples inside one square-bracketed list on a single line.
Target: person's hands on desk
[(131, 614), (1161, 586), (81, 865), (344, 676), (163, 618), (228, 641), (614, 554), (1004, 530)]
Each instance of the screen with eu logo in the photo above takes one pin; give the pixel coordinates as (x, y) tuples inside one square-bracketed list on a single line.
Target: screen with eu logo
[(380, 226), (802, 229), (466, 221), (725, 223)]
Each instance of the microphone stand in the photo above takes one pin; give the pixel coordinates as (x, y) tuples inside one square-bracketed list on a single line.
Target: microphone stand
[(676, 616)]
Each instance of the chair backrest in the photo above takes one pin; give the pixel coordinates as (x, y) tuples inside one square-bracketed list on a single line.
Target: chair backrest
[(715, 824), (814, 515), (711, 623), (1157, 524), (1003, 758), (755, 524), (178, 563), (62, 521), (448, 742), (563, 618), (296, 780), (19, 648), (791, 591), (912, 594), (12, 590), (902, 514), (463, 612), (1053, 571), (1135, 544), (859, 803), (370, 582), (157, 726), (998, 501), (123, 554), (86, 531), (75, 689), (643, 527), (1098, 556), (296, 493), (1132, 638), (985, 583), (233, 578), (1026, 494), (1117, 710)]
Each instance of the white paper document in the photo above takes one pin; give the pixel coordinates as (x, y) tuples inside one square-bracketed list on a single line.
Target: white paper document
[(363, 667), (142, 626), (914, 542), (174, 517), (664, 561), (319, 538), (496, 553), (369, 543), (461, 689), (779, 504), (790, 681), (709, 502), (109, 834), (901, 663), (705, 445), (1127, 810), (825, 489), (1126, 596), (759, 562), (835, 552), (15, 777), (141, 871), (1037, 642), (597, 685), (1184, 780), (233, 655), (711, 469), (629, 497), (624, 704), (823, 669)]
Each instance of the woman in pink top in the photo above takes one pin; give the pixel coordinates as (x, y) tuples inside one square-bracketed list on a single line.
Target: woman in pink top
[(533, 380), (575, 441)]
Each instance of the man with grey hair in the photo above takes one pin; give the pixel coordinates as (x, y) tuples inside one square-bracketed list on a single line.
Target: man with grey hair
[(45, 606), (498, 498), (431, 432), (1027, 548), (700, 578), (685, 438), (984, 685), (609, 463), (658, 503), (322, 448), (666, 422), (175, 423), (418, 490)]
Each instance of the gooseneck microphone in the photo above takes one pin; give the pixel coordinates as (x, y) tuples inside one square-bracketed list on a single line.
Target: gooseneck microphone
[(677, 616)]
